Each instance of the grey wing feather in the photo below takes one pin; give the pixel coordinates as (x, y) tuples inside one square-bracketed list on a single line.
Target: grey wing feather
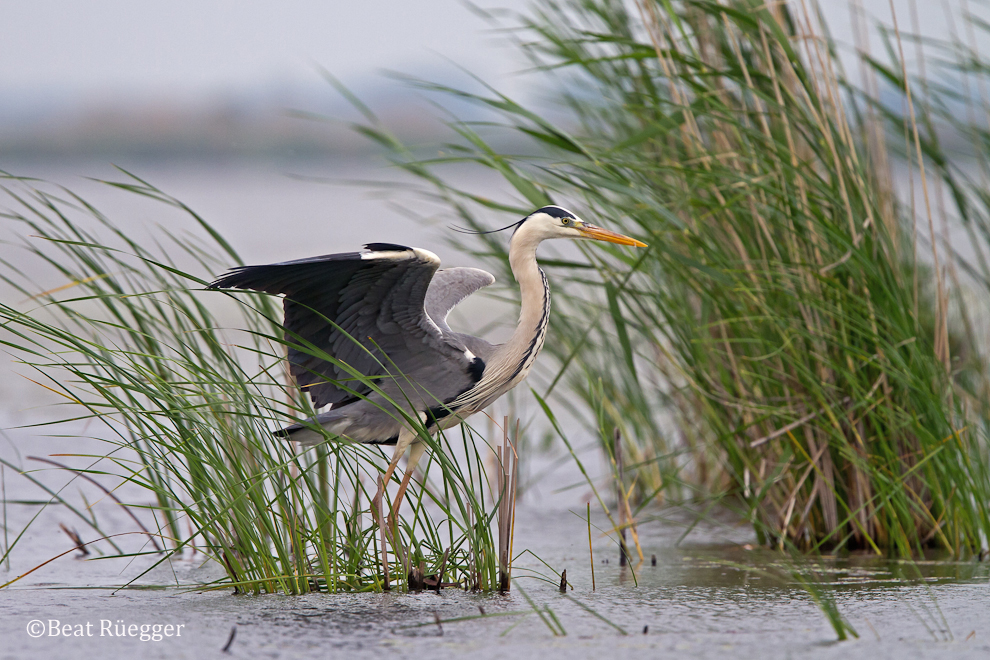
[(365, 309), (449, 287)]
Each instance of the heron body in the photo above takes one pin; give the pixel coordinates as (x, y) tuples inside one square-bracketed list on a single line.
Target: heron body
[(382, 313)]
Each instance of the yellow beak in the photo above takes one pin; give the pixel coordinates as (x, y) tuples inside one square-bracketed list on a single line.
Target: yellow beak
[(599, 234)]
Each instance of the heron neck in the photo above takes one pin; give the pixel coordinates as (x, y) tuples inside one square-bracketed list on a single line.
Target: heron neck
[(527, 340)]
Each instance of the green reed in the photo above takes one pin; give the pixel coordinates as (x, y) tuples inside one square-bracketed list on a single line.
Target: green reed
[(187, 405), (787, 344)]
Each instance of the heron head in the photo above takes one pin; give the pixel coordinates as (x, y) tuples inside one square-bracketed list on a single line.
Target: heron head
[(558, 222)]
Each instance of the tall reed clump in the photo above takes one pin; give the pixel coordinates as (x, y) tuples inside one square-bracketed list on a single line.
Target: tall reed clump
[(129, 340), (782, 340)]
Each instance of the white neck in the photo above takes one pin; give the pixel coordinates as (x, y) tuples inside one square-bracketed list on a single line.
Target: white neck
[(512, 361), (527, 340)]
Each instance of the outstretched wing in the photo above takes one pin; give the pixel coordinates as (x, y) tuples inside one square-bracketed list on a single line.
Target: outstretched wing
[(449, 287), (377, 298)]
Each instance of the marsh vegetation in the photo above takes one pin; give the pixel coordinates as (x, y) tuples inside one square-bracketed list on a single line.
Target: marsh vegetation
[(187, 410), (799, 341), (800, 344)]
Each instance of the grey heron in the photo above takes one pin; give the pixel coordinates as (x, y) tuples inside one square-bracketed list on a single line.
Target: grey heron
[(388, 306)]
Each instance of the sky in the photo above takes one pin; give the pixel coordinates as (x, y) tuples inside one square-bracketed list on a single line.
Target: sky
[(190, 48), (196, 48), (62, 60)]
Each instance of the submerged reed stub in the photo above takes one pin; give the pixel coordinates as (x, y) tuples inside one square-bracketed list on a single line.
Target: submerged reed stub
[(416, 578)]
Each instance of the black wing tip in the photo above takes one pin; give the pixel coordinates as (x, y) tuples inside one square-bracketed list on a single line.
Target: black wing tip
[(387, 247), (228, 280), (244, 277), (394, 440), (289, 431)]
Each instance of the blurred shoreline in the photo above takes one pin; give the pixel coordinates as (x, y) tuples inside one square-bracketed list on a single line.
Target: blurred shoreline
[(297, 126)]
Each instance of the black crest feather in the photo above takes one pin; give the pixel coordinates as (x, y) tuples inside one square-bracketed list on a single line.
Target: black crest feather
[(553, 211)]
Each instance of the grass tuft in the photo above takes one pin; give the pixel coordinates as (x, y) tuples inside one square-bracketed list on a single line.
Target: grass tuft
[(132, 341)]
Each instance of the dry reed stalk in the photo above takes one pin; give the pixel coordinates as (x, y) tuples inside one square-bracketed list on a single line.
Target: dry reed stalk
[(591, 551), (376, 509), (875, 136), (824, 488), (74, 536), (941, 317), (626, 519), (507, 474), (620, 495), (442, 570), (474, 560)]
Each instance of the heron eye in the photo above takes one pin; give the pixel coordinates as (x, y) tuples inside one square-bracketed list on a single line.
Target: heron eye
[(566, 222)]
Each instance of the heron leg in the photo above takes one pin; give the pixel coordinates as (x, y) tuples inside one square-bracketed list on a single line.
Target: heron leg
[(414, 455), (405, 439)]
